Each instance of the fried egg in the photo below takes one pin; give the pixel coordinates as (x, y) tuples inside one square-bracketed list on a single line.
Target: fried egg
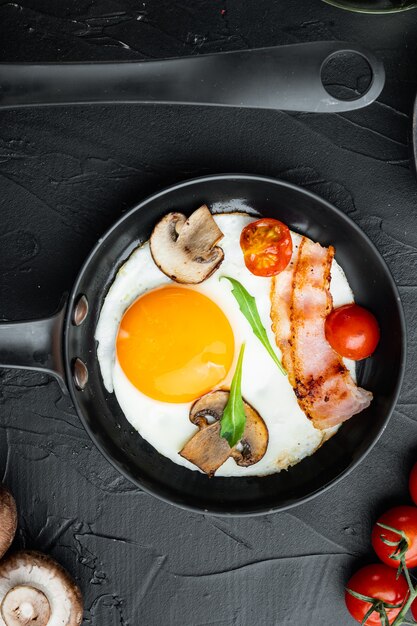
[(162, 345)]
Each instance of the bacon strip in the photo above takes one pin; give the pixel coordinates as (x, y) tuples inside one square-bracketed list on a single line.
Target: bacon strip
[(281, 301), (300, 303)]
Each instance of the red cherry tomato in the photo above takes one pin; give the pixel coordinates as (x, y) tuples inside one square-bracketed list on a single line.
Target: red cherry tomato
[(267, 246), (352, 331), (412, 484), (402, 518), (380, 582), (414, 609)]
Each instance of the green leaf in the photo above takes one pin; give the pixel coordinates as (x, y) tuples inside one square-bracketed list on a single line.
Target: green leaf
[(233, 420), (247, 305)]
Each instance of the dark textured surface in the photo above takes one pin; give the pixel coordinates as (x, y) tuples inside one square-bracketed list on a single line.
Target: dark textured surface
[(65, 176)]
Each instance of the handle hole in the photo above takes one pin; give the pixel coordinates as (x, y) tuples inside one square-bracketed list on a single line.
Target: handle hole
[(346, 75)]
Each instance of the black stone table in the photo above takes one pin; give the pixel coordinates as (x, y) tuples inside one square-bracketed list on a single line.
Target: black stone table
[(65, 175)]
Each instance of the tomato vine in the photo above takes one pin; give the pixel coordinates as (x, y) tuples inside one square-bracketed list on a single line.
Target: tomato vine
[(379, 606)]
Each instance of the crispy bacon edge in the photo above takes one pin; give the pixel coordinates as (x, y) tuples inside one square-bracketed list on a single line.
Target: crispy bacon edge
[(329, 396)]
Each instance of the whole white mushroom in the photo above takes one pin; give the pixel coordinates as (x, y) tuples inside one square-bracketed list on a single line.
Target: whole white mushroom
[(35, 590), (8, 519)]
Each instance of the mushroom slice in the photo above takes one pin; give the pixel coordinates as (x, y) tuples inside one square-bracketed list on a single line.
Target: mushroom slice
[(209, 408), (254, 442), (36, 590), (185, 248), (8, 519), (208, 450)]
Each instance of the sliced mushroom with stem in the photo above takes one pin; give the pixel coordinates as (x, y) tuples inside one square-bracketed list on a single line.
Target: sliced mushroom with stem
[(8, 519), (208, 450), (185, 248), (37, 591)]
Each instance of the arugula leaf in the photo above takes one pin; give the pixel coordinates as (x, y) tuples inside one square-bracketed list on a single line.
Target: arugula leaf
[(247, 305), (233, 420)]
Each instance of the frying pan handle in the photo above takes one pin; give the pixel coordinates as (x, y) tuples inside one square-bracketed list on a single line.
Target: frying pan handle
[(283, 77), (35, 345)]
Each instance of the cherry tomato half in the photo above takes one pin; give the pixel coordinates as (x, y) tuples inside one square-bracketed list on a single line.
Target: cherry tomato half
[(380, 582), (267, 246), (402, 518), (352, 331), (412, 484)]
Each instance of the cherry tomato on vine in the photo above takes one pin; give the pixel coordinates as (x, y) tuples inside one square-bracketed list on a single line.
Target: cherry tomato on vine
[(352, 331), (380, 582), (267, 246), (412, 484), (402, 518), (414, 609)]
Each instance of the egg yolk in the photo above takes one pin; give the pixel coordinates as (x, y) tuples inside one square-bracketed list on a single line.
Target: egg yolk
[(174, 344)]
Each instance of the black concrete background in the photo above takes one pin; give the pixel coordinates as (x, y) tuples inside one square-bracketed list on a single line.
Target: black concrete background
[(65, 175)]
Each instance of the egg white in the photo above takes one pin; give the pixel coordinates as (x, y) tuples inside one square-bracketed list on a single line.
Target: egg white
[(166, 426)]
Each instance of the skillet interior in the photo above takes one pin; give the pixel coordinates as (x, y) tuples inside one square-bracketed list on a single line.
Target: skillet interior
[(372, 285)]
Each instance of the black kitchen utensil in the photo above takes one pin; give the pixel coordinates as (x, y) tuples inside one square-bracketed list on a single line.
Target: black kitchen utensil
[(414, 137), (285, 77), (64, 346), (374, 6)]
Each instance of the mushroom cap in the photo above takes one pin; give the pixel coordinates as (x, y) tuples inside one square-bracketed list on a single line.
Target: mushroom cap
[(8, 519), (208, 450), (32, 569), (25, 606), (185, 248)]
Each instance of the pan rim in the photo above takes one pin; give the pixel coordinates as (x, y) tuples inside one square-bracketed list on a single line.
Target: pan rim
[(414, 136), (213, 510)]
